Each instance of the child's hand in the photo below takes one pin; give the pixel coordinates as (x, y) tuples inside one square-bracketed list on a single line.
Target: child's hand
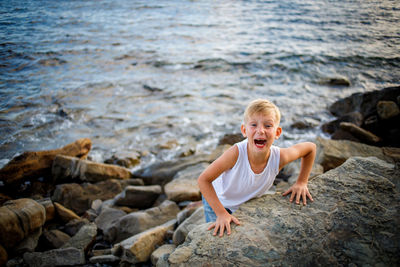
[(223, 222), (299, 190)]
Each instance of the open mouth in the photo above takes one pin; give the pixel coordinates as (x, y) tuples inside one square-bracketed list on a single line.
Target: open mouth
[(260, 142)]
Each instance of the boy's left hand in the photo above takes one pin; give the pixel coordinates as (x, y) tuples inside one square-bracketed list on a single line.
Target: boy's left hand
[(299, 190)]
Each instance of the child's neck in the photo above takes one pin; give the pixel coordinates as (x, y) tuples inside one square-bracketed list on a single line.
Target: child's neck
[(258, 161)]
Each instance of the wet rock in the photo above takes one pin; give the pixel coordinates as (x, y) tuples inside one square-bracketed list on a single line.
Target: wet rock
[(124, 159), (37, 164), (136, 222), (18, 219), (336, 81), (104, 259), (184, 228), (55, 257), (140, 197), (138, 248), (163, 172), (361, 134), (163, 251), (67, 169), (65, 214), (184, 186), (54, 238), (387, 109), (354, 218), (354, 117), (79, 197), (84, 238), (332, 153), (107, 217)]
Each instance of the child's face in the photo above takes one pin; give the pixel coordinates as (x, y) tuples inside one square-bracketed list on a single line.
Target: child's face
[(261, 130)]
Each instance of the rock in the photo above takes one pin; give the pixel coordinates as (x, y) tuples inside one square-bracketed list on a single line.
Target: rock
[(55, 238), (306, 123), (138, 248), (73, 226), (186, 226), (84, 238), (184, 185), (79, 197), (4, 198), (140, 197), (37, 164), (104, 259), (55, 257), (387, 109), (354, 219), (354, 117), (164, 250), (108, 217), (125, 159), (68, 169), (231, 139), (49, 207), (338, 81), (18, 219), (162, 172), (218, 151), (365, 103), (188, 211), (3, 256), (292, 171), (65, 214), (361, 134), (29, 243), (136, 222), (332, 153), (16, 262)]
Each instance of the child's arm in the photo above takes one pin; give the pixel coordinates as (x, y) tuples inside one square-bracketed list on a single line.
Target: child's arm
[(225, 162), (306, 151)]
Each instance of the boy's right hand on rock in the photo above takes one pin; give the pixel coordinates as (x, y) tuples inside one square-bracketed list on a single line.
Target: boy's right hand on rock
[(223, 222)]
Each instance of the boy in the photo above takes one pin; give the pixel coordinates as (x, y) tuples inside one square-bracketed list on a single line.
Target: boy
[(248, 169)]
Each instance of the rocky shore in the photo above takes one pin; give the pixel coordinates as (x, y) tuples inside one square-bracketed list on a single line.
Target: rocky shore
[(59, 208)]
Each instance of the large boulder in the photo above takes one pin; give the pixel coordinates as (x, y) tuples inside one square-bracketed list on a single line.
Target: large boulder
[(354, 220), (18, 219), (79, 197), (184, 186), (136, 222), (67, 168), (37, 164)]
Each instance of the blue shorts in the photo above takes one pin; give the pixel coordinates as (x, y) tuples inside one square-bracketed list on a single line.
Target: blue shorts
[(209, 214)]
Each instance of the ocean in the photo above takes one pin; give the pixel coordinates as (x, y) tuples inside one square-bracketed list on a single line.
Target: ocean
[(166, 77)]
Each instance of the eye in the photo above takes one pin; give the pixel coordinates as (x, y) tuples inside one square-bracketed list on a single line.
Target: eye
[(253, 125)]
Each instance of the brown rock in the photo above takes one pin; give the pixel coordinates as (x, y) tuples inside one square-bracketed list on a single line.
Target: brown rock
[(36, 164), (18, 219), (65, 214), (164, 250), (67, 168), (360, 133), (49, 207), (387, 109), (3, 256), (55, 238), (141, 197)]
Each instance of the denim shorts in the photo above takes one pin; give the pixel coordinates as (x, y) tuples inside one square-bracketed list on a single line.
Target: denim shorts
[(209, 214)]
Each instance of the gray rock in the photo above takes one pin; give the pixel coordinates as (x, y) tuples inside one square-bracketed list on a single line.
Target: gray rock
[(354, 219), (141, 197), (55, 238), (138, 248), (108, 217), (104, 259), (29, 243), (55, 257), (162, 251), (184, 185), (136, 222), (196, 219), (84, 238), (73, 226)]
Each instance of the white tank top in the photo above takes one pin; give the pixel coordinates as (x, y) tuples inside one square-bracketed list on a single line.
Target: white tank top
[(240, 184)]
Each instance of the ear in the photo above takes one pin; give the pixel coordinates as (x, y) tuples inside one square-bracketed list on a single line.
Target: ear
[(243, 130), (278, 132)]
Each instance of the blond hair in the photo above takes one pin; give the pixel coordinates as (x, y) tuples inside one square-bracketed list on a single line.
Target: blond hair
[(262, 106)]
